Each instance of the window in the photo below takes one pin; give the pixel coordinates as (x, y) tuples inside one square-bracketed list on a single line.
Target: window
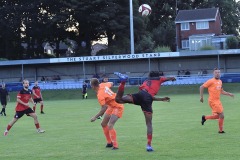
[(198, 43), (185, 44), (184, 26), (202, 25)]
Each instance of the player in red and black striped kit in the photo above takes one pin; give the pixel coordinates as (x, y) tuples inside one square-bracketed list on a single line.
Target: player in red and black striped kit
[(144, 98), (37, 97), (22, 107)]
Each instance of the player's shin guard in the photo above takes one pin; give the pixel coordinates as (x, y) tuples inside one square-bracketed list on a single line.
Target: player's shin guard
[(113, 136), (107, 135), (149, 139)]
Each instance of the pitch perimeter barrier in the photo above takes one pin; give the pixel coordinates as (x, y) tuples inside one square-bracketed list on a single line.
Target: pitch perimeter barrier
[(132, 81)]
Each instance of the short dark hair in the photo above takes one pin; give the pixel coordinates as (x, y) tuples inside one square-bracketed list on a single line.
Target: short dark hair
[(216, 68), (154, 74)]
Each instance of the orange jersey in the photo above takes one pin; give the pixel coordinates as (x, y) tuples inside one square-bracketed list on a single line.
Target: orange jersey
[(214, 89), (107, 84), (106, 96)]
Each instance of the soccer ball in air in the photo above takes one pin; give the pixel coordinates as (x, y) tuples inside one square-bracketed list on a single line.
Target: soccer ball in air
[(145, 10)]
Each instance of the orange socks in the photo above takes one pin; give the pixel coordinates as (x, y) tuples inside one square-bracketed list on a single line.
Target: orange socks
[(220, 121), (212, 117), (106, 133), (113, 136)]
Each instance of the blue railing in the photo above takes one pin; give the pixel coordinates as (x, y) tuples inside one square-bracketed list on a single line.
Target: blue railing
[(77, 84)]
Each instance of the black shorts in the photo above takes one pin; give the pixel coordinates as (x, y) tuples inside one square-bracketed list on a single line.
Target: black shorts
[(36, 100), (19, 114), (143, 99), (4, 102)]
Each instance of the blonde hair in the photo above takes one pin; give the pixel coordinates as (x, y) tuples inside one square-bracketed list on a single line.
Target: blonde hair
[(94, 82)]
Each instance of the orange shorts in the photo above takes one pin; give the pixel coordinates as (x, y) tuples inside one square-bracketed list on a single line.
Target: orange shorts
[(117, 111), (216, 106)]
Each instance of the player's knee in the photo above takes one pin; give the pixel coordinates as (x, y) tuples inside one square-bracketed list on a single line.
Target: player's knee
[(103, 124), (34, 116), (221, 116), (117, 99), (110, 126)]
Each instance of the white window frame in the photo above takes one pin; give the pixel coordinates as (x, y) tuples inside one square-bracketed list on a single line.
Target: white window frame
[(197, 43), (185, 44), (185, 26), (202, 25)]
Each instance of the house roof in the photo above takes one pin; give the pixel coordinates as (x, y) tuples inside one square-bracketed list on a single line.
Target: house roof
[(196, 15)]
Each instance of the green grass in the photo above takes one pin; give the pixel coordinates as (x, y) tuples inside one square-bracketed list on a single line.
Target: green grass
[(178, 133)]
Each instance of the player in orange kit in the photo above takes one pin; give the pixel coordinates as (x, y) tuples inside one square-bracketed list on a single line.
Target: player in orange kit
[(113, 111), (215, 89)]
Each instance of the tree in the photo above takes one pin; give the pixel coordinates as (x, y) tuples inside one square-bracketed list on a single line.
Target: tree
[(99, 19), (229, 12), (38, 21), (232, 42), (10, 23)]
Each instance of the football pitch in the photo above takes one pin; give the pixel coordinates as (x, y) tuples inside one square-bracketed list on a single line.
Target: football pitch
[(177, 132)]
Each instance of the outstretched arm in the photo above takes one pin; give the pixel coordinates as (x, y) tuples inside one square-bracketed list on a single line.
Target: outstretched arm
[(201, 89), (165, 99), (100, 113), (227, 93)]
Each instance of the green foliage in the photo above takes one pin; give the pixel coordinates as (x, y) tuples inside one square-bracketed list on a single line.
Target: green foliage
[(207, 48), (229, 11), (145, 45), (164, 34), (232, 42), (38, 21), (3, 59), (45, 55), (162, 49)]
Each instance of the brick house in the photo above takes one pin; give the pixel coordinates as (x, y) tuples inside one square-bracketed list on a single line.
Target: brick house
[(198, 28)]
